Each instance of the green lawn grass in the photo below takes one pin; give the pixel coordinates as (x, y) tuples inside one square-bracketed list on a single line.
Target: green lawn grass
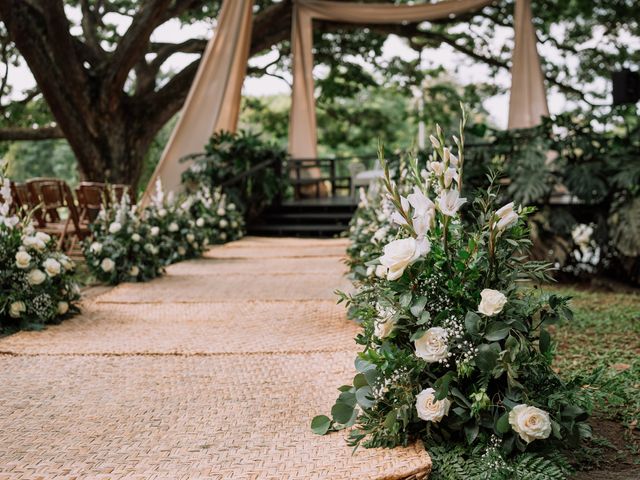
[(601, 347)]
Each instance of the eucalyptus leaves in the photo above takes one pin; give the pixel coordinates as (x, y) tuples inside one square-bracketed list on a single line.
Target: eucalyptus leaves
[(454, 349)]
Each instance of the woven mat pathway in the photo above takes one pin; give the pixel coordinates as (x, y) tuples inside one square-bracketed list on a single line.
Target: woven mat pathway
[(213, 371)]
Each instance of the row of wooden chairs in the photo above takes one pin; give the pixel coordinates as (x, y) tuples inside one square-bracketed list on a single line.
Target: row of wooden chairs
[(50, 198)]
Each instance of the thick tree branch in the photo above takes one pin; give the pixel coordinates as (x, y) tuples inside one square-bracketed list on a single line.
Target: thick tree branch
[(133, 46), (90, 28), (26, 133)]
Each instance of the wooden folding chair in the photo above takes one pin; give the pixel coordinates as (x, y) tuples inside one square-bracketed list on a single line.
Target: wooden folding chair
[(54, 195)]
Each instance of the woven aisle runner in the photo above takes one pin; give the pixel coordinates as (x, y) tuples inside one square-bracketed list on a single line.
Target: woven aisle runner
[(213, 371)]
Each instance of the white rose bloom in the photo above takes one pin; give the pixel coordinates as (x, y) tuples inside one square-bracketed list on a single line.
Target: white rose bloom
[(63, 307), (191, 237), (223, 223), (16, 309), (162, 213), (134, 271), (107, 265), (492, 302), (221, 212), (450, 202), (96, 247), (181, 251), (155, 231), (429, 408), (433, 346), (231, 207), (383, 327), (234, 224), (115, 227), (507, 217), (136, 237), (36, 277), (381, 271), (173, 227), (22, 259), (46, 238), (67, 263), (223, 236), (398, 255), (200, 222), (52, 267), (531, 423), (34, 242)]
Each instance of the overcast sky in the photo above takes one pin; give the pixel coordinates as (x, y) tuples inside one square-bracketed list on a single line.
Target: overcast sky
[(459, 66)]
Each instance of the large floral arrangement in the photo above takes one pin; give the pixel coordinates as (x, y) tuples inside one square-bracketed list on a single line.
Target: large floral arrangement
[(122, 248), (179, 237), (456, 345), (36, 279), (219, 218)]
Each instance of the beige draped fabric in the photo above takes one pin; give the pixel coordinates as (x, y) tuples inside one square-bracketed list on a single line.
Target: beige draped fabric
[(528, 100), (213, 102), (302, 123)]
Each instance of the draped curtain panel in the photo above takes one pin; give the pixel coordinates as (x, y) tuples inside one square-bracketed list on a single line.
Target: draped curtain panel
[(528, 100), (213, 102), (527, 88)]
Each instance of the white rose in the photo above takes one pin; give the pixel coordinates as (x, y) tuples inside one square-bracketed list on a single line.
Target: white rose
[(43, 237), (231, 207), (191, 237), (173, 227), (34, 242), (433, 346), (96, 247), (51, 266), (63, 307), (398, 255), (450, 202), (429, 408), (492, 302), (162, 212), (107, 265), (223, 236), (200, 222), (136, 238), (134, 271), (16, 309), (36, 277), (384, 326), (22, 259), (223, 223), (507, 217), (155, 231), (221, 212), (67, 263), (234, 224), (115, 227), (531, 423), (181, 251)]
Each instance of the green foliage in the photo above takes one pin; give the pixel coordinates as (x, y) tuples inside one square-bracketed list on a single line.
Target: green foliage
[(221, 221), (45, 158), (228, 155), (122, 248)]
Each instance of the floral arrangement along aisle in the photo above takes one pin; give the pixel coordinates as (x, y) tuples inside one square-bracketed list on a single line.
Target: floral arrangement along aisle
[(456, 345), (122, 248), (179, 237), (220, 219), (36, 279)]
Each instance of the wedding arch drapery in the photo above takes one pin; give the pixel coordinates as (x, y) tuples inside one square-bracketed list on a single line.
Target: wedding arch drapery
[(213, 103)]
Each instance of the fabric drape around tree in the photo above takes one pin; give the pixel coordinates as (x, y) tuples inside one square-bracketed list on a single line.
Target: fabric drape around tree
[(213, 102), (528, 99)]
